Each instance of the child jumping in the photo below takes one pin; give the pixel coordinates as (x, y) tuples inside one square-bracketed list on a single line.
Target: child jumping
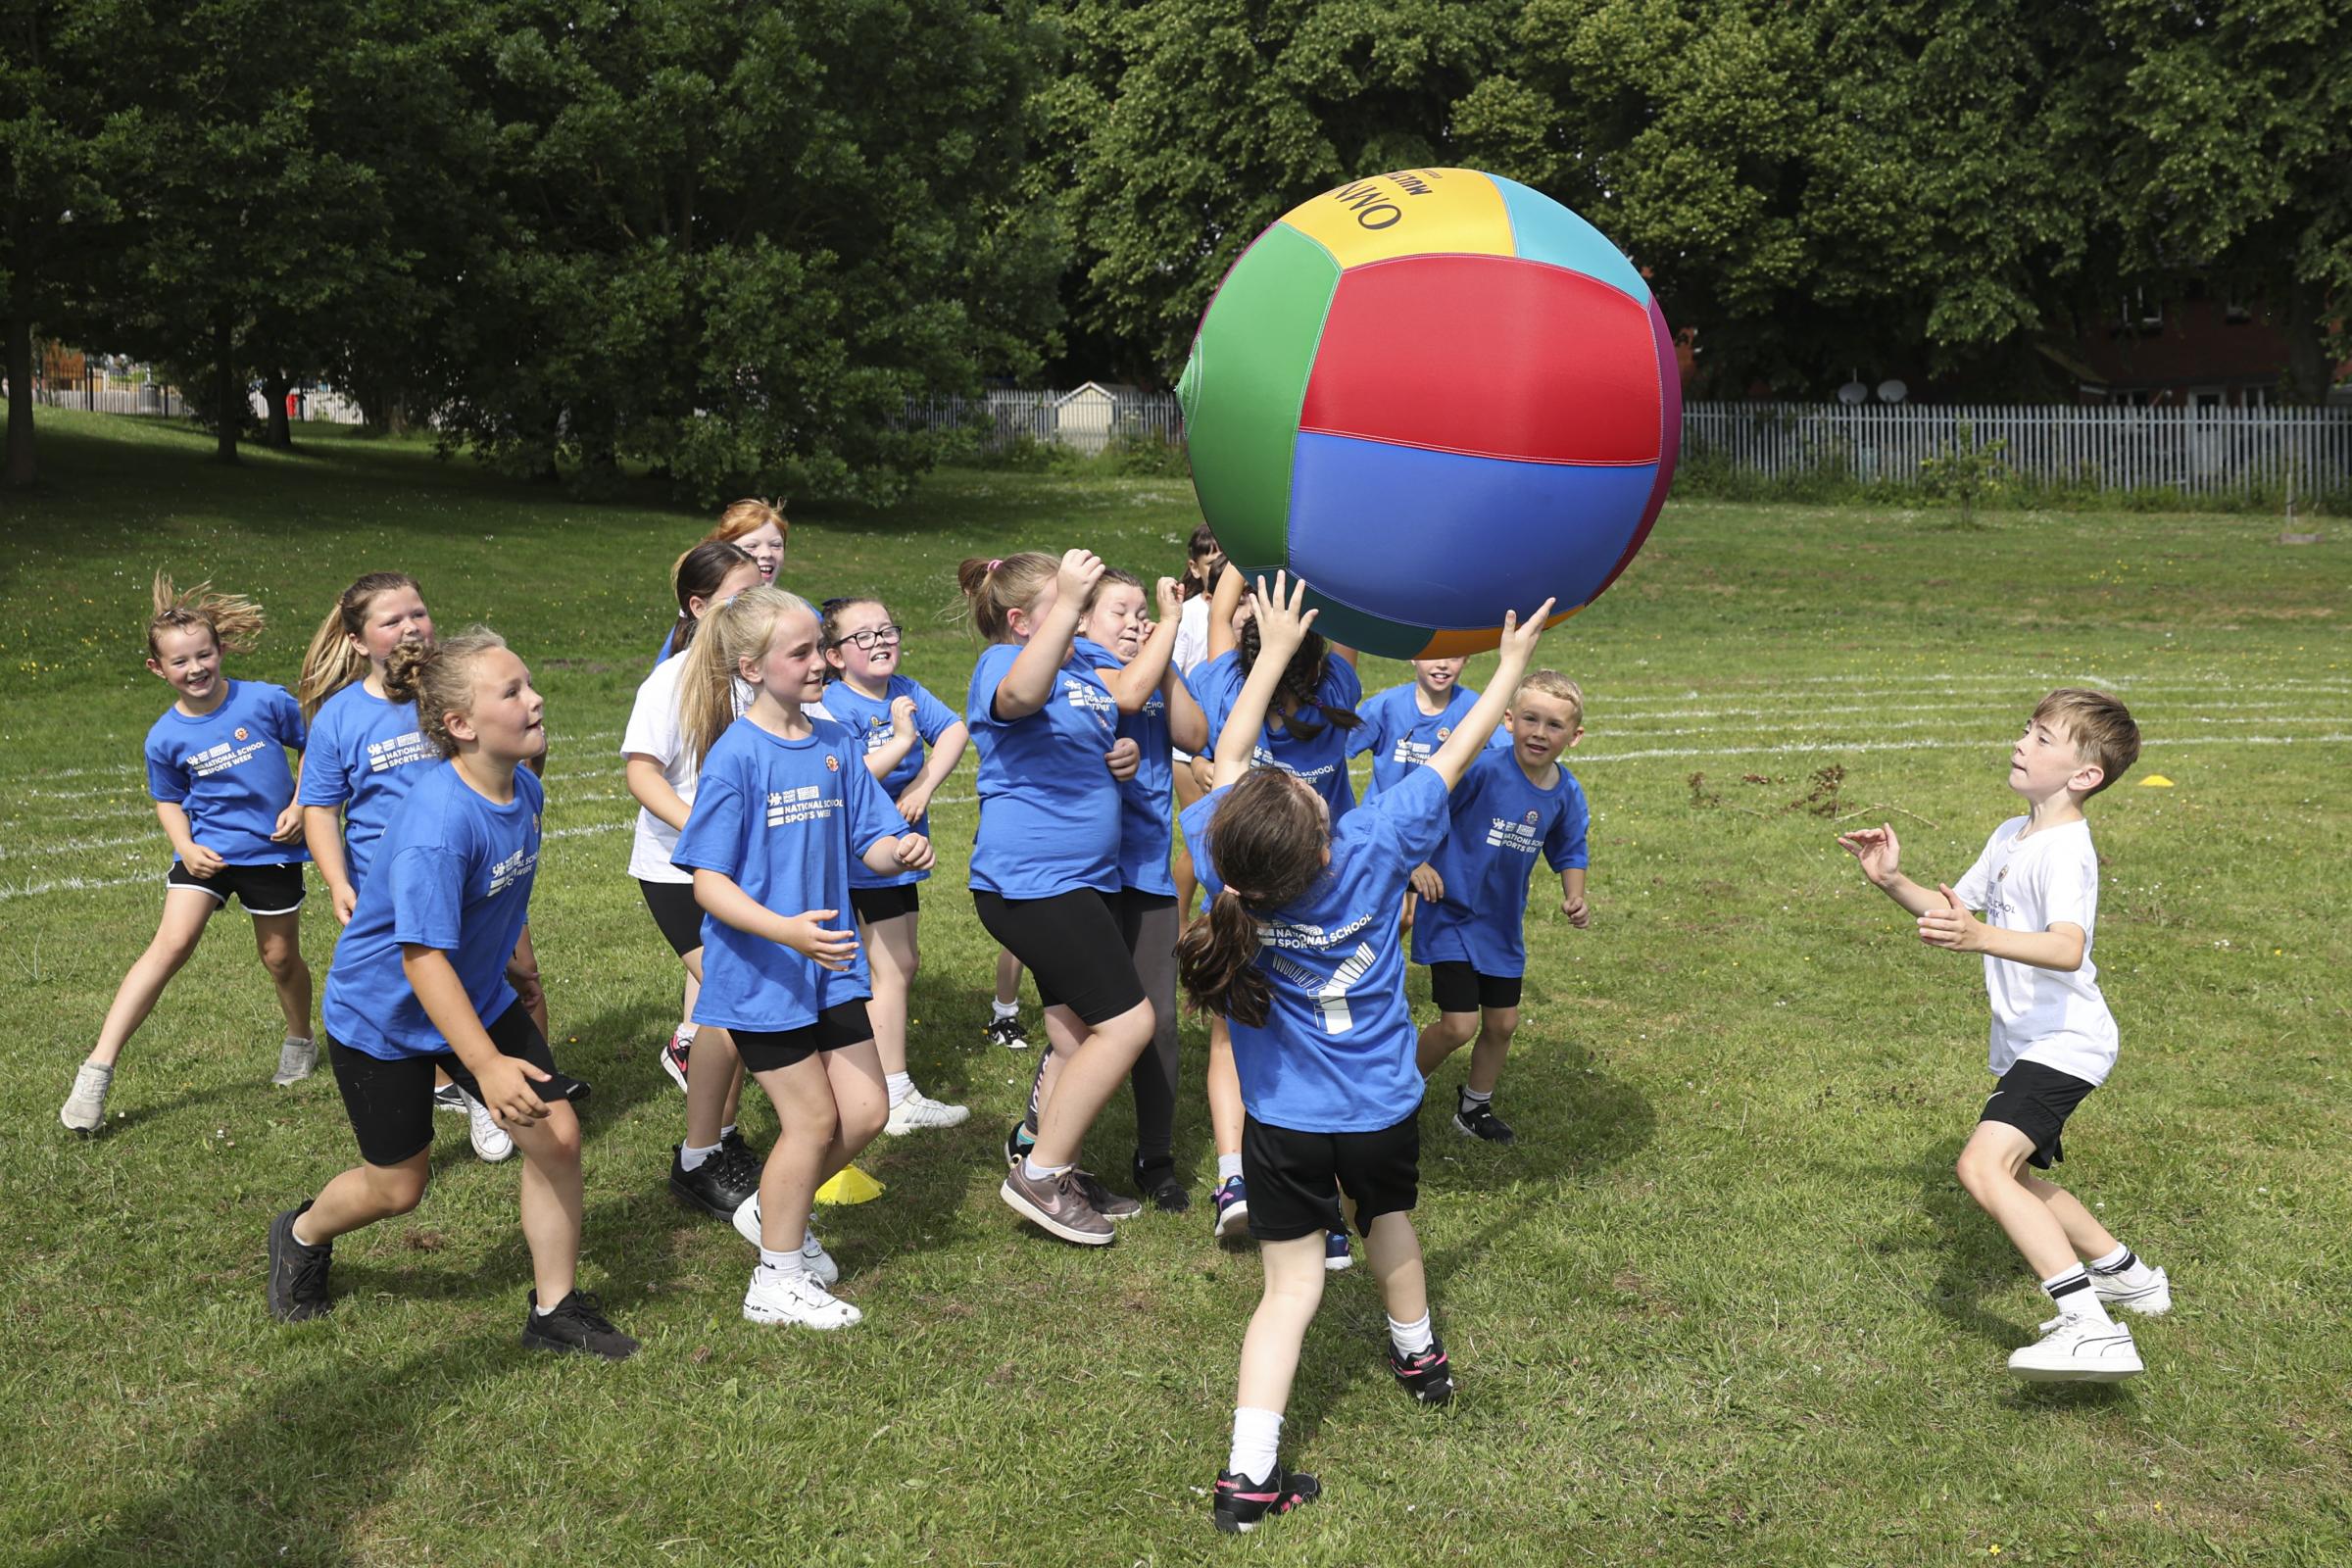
[(1298, 949), (2054, 1039), (1472, 931), (216, 770)]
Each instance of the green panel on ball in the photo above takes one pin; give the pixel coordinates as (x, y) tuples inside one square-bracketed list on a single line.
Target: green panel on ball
[(1244, 386)]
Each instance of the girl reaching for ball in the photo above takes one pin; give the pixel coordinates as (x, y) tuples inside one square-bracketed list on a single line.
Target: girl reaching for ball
[(1298, 948), (419, 981), (782, 806), (216, 770)]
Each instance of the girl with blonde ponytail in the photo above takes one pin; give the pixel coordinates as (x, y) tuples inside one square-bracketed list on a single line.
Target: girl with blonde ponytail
[(216, 770), (783, 803), (1299, 950)]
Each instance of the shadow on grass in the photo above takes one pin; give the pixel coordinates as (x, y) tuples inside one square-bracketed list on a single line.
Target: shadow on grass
[(1975, 1260)]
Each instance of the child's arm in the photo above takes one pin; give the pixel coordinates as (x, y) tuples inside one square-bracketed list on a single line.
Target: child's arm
[(722, 898), (1188, 725), (897, 852), (200, 861), (1131, 685), (1572, 898), (892, 752), (651, 790), (1281, 629), (503, 1081), (1947, 923), (946, 751), (1881, 855), (326, 844), (1221, 606), (1469, 738), (1029, 684)]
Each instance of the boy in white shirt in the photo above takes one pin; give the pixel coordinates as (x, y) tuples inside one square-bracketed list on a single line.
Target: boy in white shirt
[(2054, 1038)]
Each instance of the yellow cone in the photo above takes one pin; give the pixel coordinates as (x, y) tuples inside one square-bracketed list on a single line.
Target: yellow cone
[(849, 1186), (2155, 781)]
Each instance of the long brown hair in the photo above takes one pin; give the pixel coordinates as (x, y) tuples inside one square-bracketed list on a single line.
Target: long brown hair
[(1266, 843), (234, 620), (698, 575), (997, 588), (739, 629), (1302, 678), (439, 680), (334, 660)]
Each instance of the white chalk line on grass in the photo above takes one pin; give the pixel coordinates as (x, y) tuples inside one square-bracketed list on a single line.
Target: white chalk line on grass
[(1802, 710), (1585, 759)]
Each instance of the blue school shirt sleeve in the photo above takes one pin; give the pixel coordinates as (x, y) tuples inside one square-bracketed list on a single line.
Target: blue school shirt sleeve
[(932, 717), (1372, 735), (1564, 841), (326, 770), (713, 837), (428, 896), (1404, 823), (167, 780), (286, 717)]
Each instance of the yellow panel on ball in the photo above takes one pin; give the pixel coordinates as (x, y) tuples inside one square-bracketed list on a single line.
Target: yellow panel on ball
[(1413, 211), (1462, 644)]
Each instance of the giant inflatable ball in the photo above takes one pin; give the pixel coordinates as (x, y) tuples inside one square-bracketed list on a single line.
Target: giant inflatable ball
[(1437, 396)]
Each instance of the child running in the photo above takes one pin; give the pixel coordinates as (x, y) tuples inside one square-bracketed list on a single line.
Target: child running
[(1046, 866), (216, 770), (2054, 1039), (1298, 949), (715, 1169), (1473, 926), (365, 750), (419, 981), (781, 808), (895, 717)]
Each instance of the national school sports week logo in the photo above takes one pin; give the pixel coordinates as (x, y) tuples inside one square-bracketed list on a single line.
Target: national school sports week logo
[(505, 872), (1092, 700), (399, 752), (807, 803), (1260, 756), (224, 757), (1522, 836)]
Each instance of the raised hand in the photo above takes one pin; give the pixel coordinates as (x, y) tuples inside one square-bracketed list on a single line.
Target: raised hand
[(1170, 595), (1080, 570), (1519, 639), (1877, 849), (902, 716), (1280, 625)]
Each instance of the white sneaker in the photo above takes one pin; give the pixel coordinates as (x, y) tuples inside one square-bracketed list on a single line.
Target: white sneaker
[(2151, 1298), (796, 1297), (813, 1256), (919, 1110), (490, 1141), (2078, 1349), (84, 1109), (297, 1060)]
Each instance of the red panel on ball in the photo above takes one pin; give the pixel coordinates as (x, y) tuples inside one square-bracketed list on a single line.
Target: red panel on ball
[(1488, 355)]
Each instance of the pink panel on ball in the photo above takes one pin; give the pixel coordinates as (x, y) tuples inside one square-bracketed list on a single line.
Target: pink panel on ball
[(1488, 356)]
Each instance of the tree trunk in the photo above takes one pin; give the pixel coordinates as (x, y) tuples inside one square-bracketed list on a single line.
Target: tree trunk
[(275, 387), (2307, 367), (22, 468), (228, 390)]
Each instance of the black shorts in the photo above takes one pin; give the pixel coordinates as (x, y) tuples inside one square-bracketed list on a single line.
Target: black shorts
[(1072, 946), (873, 905), (675, 912), (272, 889), (2036, 1100), (1459, 987), (765, 1049), (1296, 1178), (391, 1103)]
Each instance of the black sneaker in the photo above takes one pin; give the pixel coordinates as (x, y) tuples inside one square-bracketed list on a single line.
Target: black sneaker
[(732, 1141), (1016, 1146), (1427, 1375), (450, 1097), (719, 1185), (1479, 1122), (1242, 1503), (1158, 1181), (578, 1323), (1005, 1032), (297, 1273)]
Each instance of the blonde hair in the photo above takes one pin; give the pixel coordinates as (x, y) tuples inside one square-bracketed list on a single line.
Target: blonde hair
[(2100, 727), (996, 588), (439, 680), (1551, 683), (748, 515), (234, 620), (334, 660), (739, 629)]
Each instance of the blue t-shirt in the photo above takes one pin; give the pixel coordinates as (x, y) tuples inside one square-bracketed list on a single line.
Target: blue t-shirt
[(1499, 822), (870, 720), (1147, 830), (783, 821), (1049, 806), (227, 770), (456, 877), (1400, 737), (1320, 758), (1336, 1052), (366, 754)]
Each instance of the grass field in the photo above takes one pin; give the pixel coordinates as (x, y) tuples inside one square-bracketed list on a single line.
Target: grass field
[(1724, 1303)]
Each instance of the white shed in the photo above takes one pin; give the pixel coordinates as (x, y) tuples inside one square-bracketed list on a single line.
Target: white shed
[(1087, 417)]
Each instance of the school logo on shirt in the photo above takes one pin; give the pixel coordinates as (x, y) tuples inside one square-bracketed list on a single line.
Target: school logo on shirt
[(805, 804), (503, 875), (1533, 818), (398, 752), (832, 763), (1504, 834), (1444, 733), (241, 732), (1091, 700)]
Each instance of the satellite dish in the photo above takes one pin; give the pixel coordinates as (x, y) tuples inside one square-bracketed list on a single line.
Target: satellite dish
[(1892, 391), (1853, 392)]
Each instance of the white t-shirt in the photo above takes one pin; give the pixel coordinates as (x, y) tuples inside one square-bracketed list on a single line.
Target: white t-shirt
[(1192, 645), (2031, 884), (653, 730)]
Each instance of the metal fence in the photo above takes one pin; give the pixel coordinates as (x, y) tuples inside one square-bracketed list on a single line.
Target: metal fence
[(2201, 452), (150, 399), (1086, 421)]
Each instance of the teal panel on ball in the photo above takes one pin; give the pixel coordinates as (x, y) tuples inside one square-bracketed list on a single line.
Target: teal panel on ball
[(1242, 387), (1547, 231), (1373, 634)]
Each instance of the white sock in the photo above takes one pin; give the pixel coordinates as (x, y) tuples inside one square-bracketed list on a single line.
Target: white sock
[(1256, 1440), (2071, 1290), (774, 1266), (1037, 1173), (1228, 1167), (541, 1310), (300, 1039), (1473, 1096), (683, 1032), (1004, 1012), (2123, 1266), (1411, 1339), (691, 1157), (901, 1087)]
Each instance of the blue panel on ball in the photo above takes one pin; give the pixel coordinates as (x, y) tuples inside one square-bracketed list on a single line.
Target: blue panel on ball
[(1441, 539), (1547, 231)]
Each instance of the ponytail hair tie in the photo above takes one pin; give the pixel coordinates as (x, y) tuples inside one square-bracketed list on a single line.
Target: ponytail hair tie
[(993, 564)]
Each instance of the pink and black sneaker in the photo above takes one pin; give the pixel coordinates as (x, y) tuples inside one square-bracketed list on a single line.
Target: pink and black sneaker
[(1242, 1504), (1426, 1375)]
